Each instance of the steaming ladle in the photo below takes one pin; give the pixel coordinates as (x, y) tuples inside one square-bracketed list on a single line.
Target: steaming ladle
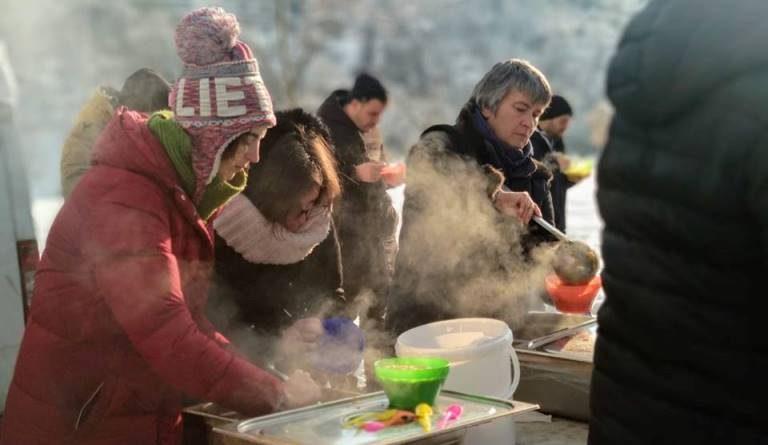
[(550, 228), (575, 262)]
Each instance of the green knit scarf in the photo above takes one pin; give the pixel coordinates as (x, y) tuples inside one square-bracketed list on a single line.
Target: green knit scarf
[(178, 146)]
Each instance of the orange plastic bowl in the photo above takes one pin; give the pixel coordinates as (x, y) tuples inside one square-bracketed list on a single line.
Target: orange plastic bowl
[(572, 298)]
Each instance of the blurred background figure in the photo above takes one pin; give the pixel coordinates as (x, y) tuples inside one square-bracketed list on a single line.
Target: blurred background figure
[(365, 218), (145, 91), (549, 148), (682, 354)]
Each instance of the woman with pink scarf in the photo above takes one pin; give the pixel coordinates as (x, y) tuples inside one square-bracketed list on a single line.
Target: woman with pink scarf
[(277, 257)]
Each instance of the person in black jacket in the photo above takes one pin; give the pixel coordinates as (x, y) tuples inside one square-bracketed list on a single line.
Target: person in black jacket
[(682, 353), (548, 147), (472, 189), (277, 254), (365, 218)]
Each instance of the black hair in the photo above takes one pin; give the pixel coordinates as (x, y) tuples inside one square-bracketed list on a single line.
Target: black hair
[(557, 107), (368, 87)]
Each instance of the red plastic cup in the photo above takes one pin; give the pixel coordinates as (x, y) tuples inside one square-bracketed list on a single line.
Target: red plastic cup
[(573, 298)]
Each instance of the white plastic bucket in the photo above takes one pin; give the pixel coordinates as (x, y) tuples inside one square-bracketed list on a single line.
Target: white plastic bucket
[(479, 350)]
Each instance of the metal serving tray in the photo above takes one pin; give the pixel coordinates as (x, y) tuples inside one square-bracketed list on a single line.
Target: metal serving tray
[(557, 380), (541, 328), (557, 348), (200, 419), (322, 424)]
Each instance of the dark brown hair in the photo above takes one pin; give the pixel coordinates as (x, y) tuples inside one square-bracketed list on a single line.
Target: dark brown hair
[(295, 154), (231, 148)]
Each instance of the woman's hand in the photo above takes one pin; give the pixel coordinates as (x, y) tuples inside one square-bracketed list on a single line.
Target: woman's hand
[(562, 160), (300, 390), (517, 204), (369, 171), (302, 335), (393, 175)]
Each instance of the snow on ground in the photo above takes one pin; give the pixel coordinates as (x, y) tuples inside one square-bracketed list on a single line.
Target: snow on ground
[(584, 223), (44, 210)]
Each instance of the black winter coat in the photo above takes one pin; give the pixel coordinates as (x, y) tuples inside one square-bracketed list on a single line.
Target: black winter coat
[(543, 150), (365, 218), (459, 256), (682, 352), (252, 303), (470, 143)]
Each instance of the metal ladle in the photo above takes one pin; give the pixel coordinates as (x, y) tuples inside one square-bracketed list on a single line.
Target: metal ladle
[(575, 262)]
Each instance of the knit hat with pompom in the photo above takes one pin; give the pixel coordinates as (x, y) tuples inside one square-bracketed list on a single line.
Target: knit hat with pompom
[(220, 94)]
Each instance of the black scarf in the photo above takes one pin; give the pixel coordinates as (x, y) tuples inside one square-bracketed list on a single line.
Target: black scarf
[(516, 164), (474, 138)]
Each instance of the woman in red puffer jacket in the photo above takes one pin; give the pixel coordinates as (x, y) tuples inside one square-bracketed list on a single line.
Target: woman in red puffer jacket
[(116, 332)]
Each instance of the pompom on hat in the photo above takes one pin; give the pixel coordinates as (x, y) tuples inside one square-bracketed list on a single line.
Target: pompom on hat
[(220, 94)]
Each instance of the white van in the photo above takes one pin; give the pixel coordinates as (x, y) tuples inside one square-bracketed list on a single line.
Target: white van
[(18, 247)]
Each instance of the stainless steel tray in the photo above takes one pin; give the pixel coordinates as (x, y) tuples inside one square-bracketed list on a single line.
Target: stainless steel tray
[(557, 380), (200, 419), (557, 348), (541, 328), (322, 424), (213, 412)]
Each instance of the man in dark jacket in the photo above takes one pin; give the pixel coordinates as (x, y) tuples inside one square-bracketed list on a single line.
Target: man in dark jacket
[(365, 218), (548, 147), (472, 189), (683, 188)]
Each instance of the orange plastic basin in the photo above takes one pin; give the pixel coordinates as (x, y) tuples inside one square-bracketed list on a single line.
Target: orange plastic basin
[(573, 298)]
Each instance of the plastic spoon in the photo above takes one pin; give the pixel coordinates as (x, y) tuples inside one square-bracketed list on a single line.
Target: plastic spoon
[(451, 413), (424, 416), (373, 426), (399, 417)]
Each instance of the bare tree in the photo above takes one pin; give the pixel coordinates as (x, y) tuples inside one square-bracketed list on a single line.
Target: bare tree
[(302, 30)]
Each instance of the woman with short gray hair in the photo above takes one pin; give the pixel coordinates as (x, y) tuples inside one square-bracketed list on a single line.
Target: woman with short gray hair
[(472, 189), (511, 75)]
